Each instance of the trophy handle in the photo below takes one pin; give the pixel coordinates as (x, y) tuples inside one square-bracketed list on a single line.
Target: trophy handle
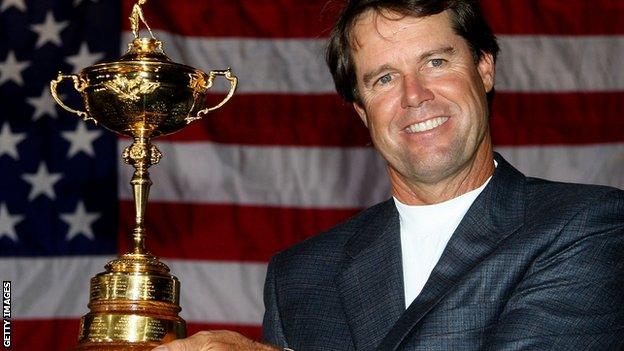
[(227, 74), (78, 88)]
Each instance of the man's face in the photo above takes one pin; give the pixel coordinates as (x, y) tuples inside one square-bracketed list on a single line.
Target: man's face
[(423, 96)]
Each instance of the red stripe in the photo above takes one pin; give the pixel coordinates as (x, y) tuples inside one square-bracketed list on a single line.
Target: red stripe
[(245, 18), (555, 17), (225, 232), (313, 18), (323, 120), (550, 119), (298, 120), (44, 334), (62, 334)]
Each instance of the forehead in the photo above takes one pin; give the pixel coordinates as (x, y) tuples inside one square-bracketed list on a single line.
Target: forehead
[(384, 27)]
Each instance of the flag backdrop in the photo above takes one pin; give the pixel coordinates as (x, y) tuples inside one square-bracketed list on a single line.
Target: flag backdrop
[(282, 161)]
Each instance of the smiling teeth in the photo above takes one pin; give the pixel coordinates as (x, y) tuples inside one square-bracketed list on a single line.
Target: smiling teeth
[(426, 125)]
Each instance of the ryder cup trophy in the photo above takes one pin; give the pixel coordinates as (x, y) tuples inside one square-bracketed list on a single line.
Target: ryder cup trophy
[(134, 304)]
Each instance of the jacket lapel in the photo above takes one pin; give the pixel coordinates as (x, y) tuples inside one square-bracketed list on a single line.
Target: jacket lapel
[(495, 214), (371, 283)]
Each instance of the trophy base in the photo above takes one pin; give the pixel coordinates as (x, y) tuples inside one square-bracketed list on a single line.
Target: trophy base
[(120, 346), (133, 306)]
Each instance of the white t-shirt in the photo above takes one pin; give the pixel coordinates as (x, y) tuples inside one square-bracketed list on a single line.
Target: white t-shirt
[(425, 231)]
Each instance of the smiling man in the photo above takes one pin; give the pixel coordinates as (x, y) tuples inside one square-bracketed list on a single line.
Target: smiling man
[(423, 98), (469, 254)]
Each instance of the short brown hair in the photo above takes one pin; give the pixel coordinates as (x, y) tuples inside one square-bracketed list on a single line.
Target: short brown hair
[(466, 17)]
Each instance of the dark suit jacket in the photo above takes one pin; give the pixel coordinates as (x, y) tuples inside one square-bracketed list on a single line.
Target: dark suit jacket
[(534, 265)]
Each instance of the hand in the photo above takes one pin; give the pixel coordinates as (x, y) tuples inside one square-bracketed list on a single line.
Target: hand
[(215, 340)]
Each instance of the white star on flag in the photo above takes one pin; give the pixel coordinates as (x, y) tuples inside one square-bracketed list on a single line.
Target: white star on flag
[(84, 58), (9, 141), (81, 140), (42, 182), (8, 222), (18, 4), (11, 69), (44, 105), (49, 31), (80, 222)]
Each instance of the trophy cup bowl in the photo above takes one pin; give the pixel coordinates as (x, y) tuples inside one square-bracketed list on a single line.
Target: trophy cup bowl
[(134, 304), (143, 94)]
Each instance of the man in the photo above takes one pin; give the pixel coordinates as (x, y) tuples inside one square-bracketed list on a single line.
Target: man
[(469, 254)]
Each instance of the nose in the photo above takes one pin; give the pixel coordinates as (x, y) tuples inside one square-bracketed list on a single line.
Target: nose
[(415, 91)]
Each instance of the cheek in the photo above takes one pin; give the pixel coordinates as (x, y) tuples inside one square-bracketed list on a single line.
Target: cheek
[(465, 94), (381, 111)]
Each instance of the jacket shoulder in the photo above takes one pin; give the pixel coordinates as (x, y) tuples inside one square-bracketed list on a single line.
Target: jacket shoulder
[(546, 197), (564, 215)]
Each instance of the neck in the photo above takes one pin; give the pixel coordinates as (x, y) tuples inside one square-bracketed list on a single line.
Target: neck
[(469, 177)]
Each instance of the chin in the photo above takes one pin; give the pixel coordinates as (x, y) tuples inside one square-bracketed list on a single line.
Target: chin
[(433, 168)]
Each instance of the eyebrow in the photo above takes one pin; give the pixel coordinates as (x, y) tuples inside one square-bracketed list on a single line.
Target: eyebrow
[(368, 76)]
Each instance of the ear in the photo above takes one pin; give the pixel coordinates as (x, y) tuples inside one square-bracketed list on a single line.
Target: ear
[(486, 68), (361, 112)]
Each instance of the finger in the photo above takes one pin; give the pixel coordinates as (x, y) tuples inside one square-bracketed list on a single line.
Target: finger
[(192, 343), (177, 345)]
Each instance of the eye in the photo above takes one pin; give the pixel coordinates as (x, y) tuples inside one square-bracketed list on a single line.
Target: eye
[(385, 79), (437, 62)]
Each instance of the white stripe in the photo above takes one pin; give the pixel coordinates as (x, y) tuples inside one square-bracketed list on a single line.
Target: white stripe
[(226, 292), (526, 64), (261, 65), (596, 164), (560, 64), (203, 172), (50, 287), (211, 292)]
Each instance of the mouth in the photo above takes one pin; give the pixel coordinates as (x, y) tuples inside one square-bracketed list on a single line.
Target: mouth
[(426, 125)]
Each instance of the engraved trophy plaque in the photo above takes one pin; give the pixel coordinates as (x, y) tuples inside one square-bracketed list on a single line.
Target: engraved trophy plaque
[(134, 304)]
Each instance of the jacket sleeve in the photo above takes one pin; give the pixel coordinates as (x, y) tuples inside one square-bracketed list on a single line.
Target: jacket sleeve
[(572, 297), (272, 331)]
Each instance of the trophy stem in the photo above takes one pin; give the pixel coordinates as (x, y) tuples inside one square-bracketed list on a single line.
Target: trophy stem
[(141, 154), (134, 304)]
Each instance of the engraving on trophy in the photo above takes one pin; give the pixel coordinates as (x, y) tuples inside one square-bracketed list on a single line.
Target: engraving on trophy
[(98, 325), (124, 328), (131, 88), (119, 287), (95, 289), (156, 327), (112, 286), (134, 304), (121, 326)]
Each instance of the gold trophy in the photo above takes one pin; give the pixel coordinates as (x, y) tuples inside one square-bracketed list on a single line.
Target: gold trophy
[(134, 304)]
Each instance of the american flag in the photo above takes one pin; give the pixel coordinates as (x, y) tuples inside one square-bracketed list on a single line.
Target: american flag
[(283, 160)]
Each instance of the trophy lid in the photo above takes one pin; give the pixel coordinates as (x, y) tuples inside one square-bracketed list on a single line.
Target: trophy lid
[(145, 49), (144, 54)]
